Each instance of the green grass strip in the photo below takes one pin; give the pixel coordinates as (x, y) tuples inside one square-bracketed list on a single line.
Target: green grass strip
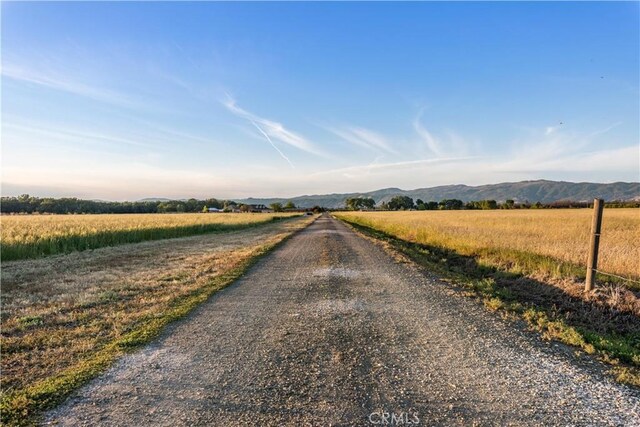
[(510, 260)]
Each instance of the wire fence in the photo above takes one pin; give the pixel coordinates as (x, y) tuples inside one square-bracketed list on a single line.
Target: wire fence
[(594, 244), (616, 276)]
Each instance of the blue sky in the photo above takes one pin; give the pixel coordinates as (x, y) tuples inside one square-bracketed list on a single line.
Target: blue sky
[(130, 100)]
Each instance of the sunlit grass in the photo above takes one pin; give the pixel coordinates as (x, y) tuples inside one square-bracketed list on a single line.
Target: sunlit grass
[(32, 236), (548, 241)]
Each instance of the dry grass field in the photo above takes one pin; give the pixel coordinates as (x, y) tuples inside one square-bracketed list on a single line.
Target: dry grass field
[(67, 317), (520, 239), (32, 236)]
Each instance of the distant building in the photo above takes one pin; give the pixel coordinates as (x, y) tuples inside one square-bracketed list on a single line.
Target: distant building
[(213, 210), (259, 209)]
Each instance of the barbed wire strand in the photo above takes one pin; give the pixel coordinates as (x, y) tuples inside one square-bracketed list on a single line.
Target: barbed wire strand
[(619, 277)]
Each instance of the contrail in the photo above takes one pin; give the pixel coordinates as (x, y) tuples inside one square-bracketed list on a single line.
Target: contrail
[(272, 144)]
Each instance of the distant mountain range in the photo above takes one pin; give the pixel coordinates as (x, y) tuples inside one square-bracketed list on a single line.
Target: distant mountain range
[(533, 191)]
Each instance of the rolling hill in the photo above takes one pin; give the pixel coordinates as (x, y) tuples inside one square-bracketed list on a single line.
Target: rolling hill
[(533, 191)]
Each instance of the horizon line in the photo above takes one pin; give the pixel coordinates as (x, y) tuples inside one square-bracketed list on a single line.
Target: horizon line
[(156, 198)]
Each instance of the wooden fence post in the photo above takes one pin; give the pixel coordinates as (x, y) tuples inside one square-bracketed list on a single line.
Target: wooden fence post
[(592, 262)]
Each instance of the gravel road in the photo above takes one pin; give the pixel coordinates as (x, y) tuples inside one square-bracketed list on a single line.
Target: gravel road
[(330, 330)]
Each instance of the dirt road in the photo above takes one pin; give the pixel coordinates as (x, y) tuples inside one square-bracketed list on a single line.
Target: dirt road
[(330, 330)]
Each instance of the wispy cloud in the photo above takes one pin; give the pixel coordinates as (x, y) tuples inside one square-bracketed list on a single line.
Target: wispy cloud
[(431, 142), (480, 170), (446, 144), (76, 135), (403, 165), (160, 131), (64, 84), (551, 129), (553, 143), (604, 130), (273, 129), (186, 54), (557, 155), (364, 138), (610, 160), (272, 144)]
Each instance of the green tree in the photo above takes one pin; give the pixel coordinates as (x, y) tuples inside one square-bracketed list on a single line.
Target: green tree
[(367, 202), (277, 207), (289, 205), (486, 204), (357, 203), (451, 204), (351, 203), (400, 203)]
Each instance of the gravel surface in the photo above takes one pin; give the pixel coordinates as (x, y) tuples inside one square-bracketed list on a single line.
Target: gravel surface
[(330, 330)]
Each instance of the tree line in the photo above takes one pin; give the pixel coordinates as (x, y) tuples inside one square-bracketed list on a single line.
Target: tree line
[(26, 204), (279, 207), (71, 205), (406, 203), (358, 203)]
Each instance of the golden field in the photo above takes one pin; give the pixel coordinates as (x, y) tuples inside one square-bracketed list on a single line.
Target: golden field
[(32, 236), (559, 234)]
